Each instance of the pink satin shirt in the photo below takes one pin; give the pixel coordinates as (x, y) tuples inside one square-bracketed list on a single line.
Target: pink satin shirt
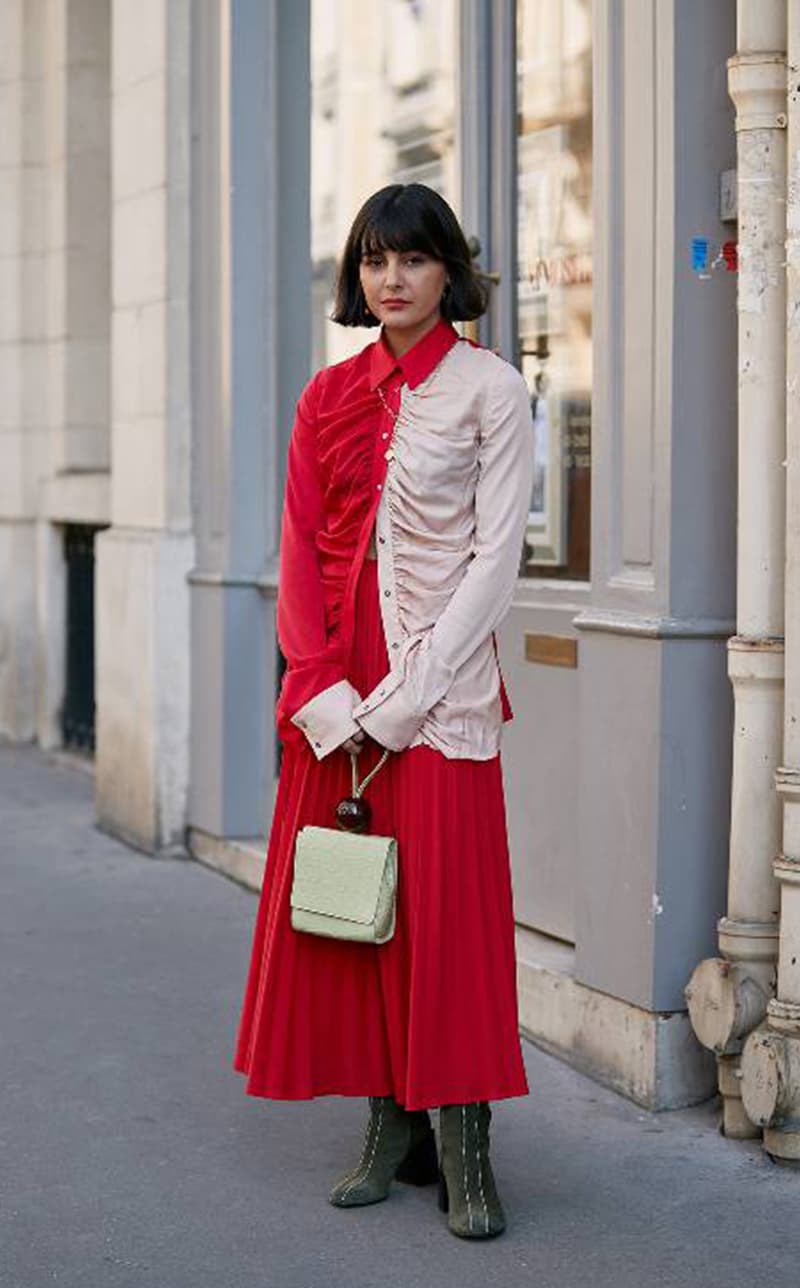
[(430, 458)]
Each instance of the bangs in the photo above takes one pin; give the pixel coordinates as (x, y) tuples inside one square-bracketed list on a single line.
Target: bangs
[(399, 226)]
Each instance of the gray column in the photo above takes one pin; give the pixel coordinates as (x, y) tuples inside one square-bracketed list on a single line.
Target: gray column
[(655, 704), (251, 343)]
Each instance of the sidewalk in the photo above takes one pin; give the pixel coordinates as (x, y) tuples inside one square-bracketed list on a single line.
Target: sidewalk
[(129, 1154)]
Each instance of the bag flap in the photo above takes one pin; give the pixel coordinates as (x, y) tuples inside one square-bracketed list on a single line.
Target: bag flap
[(338, 873)]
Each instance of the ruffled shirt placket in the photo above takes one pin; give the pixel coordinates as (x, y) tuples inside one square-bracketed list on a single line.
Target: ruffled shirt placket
[(387, 586)]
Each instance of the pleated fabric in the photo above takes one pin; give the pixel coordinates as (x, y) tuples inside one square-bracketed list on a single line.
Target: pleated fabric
[(431, 1016)]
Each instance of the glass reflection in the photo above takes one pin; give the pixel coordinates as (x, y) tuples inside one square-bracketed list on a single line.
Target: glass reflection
[(554, 287), (383, 111)]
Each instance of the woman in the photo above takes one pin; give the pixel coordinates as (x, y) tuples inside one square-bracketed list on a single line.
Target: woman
[(408, 485)]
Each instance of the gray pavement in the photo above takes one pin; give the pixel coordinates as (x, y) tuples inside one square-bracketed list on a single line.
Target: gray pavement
[(129, 1155)]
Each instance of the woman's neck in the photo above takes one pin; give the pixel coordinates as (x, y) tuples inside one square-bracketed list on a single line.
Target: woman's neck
[(400, 339)]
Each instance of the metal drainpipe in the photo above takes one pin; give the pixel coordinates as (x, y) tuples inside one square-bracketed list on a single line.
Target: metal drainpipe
[(728, 996), (771, 1059)]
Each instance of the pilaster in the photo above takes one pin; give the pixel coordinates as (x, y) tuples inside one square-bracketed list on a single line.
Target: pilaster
[(654, 701), (22, 361), (143, 560)]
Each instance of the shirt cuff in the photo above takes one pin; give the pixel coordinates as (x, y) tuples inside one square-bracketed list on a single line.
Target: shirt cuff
[(388, 714), (328, 720)]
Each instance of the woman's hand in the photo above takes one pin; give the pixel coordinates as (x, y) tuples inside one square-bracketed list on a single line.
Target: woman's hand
[(354, 745)]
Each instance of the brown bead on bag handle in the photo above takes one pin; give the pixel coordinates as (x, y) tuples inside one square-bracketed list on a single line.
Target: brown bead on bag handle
[(353, 814)]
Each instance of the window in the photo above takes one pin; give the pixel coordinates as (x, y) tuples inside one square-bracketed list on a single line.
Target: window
[(385, 109), (554, 278)]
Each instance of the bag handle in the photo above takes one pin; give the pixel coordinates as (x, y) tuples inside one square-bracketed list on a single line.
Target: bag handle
[(358, 790)]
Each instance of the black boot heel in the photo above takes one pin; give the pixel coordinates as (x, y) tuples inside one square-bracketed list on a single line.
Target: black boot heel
[(421, 1164), (444, 1199)]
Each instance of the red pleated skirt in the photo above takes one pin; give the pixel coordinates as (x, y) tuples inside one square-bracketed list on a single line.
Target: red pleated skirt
[(431, 1016)]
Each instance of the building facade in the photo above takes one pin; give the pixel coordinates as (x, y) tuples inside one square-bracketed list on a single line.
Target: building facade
[(177, 181)]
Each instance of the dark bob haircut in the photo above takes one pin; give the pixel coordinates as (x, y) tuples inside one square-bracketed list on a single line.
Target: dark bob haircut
[(407, 217)]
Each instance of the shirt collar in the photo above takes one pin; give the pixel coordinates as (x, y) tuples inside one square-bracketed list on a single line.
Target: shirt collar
[(418, 362)]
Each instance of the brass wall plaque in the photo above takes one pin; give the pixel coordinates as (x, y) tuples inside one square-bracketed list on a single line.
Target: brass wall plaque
[(551, 650)]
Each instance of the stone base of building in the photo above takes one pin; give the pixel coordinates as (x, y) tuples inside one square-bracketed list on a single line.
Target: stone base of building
[(142, 668), (241, 860), (652, 1058)]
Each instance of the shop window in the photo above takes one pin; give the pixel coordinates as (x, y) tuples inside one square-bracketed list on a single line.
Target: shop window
[(384, 109)]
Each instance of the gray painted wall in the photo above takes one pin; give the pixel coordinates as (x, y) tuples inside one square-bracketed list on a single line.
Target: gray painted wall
[(655, 706), (540, 768), (252, 278)]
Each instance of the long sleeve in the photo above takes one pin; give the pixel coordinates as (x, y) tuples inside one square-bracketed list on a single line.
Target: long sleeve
[(397, 707), (315, 694)]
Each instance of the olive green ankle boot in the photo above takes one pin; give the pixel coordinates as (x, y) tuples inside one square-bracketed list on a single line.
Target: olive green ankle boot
[(467, 1190), (398, 1146)]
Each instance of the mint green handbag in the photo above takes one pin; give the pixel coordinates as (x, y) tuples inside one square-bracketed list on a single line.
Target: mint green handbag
[(344, 884)]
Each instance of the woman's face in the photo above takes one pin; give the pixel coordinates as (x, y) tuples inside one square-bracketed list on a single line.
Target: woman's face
[(403, 289)]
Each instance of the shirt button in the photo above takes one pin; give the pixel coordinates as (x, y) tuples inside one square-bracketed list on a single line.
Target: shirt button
[(317, 744), (381, 541), (395, 645), (387, 593), (390, 454), (381, 693), (384, 436), (379, 486)]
